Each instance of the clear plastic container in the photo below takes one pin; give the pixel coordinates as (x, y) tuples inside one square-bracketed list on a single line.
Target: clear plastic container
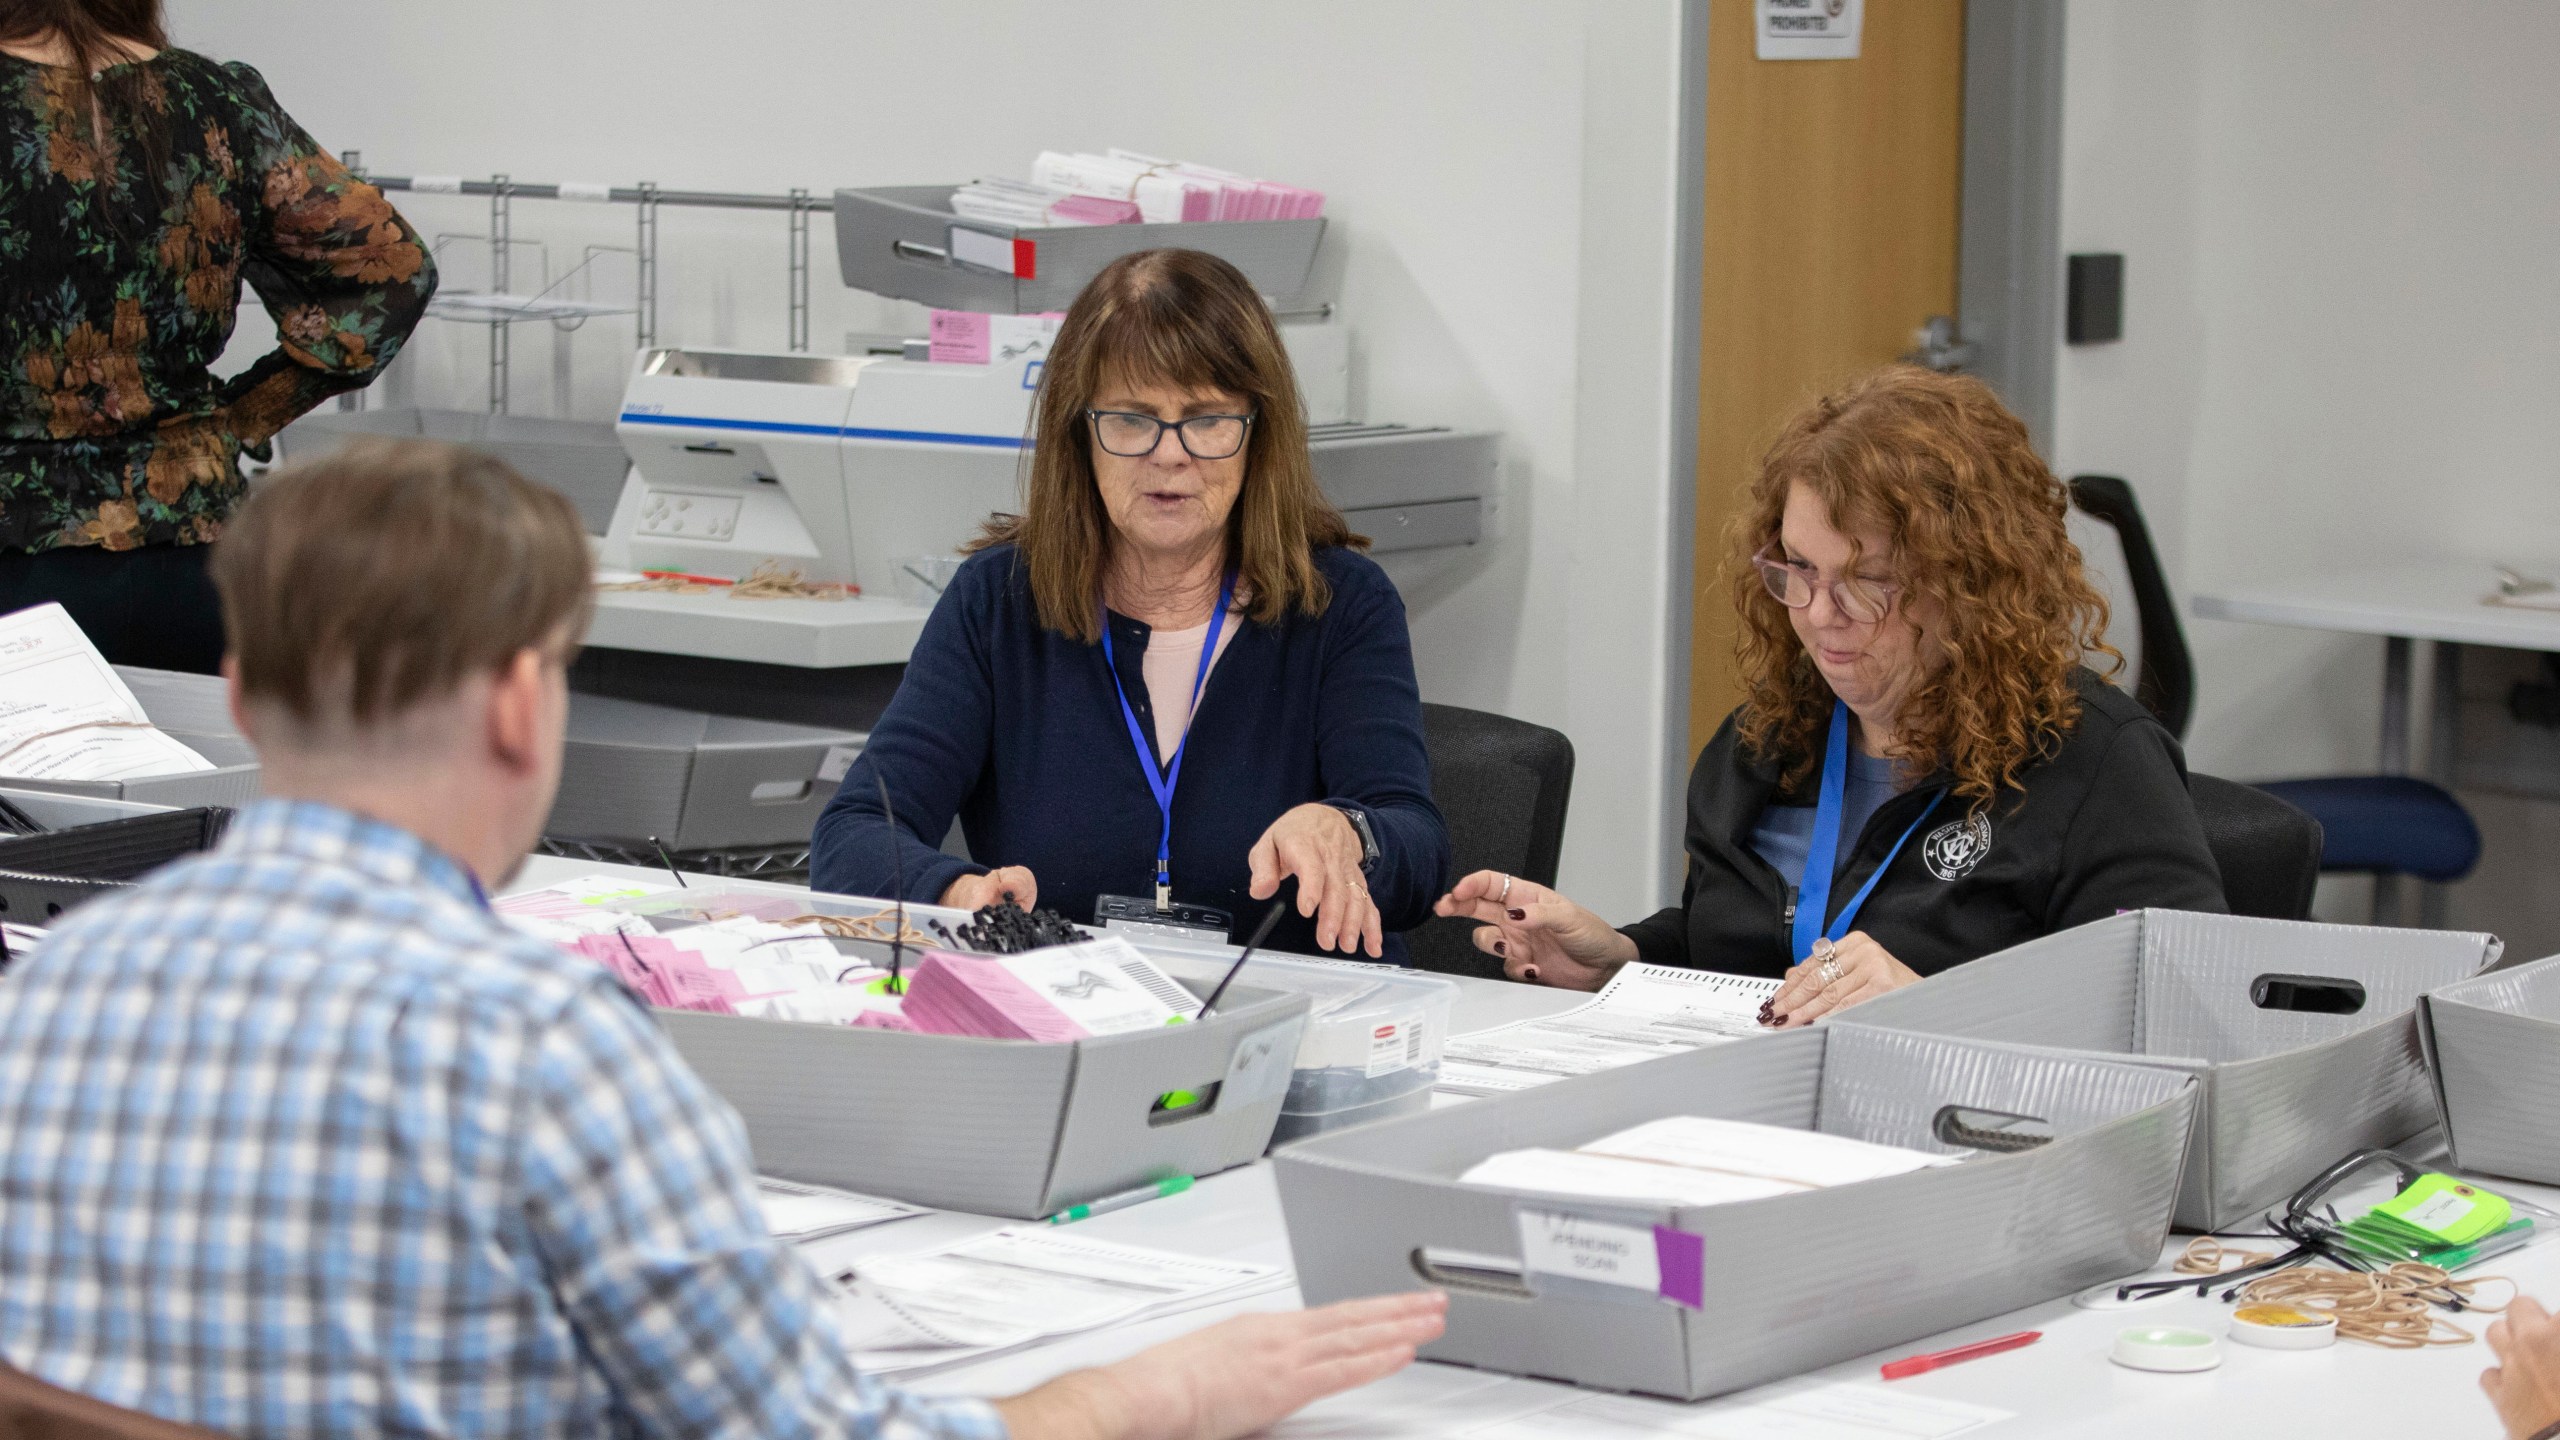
[(1372, 1047)]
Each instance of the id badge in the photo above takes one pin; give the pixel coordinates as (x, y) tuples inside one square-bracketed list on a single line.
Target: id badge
[(1134, 916)]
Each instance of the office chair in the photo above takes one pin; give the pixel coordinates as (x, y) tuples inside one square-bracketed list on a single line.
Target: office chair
[(1502, 785), (2267, 848), (2380, 825)]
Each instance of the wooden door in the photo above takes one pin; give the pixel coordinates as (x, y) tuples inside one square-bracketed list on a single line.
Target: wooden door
[(1830, 235)]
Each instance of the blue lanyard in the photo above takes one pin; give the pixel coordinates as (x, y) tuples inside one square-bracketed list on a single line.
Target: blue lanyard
[(1161, 782), (1813, 896)]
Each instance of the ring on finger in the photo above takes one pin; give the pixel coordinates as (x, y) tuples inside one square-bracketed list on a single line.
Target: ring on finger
[(1505, 897), (1828, 957)]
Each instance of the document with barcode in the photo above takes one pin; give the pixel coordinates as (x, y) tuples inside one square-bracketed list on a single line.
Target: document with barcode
[(1645, 1011)]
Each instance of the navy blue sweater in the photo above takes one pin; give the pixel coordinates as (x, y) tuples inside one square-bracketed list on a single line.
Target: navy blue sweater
[(1015, 729)]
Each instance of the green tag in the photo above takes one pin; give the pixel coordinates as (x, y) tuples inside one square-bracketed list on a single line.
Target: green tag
[(2445, 1211)]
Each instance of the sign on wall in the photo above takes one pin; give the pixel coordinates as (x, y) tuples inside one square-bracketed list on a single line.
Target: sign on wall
[(1807, 29)]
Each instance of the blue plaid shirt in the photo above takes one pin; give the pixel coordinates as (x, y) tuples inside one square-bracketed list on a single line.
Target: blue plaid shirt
[(299, 1139)]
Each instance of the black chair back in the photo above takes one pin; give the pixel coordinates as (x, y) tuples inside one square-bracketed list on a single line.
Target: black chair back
[(2167, 683), (2268, 850), (1502, 785)]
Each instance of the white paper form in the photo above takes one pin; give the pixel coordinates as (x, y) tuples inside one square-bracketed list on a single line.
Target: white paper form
[(1645, 1011), (1017, 1285), (1790, 1410), (805, 1214), (66, 715)]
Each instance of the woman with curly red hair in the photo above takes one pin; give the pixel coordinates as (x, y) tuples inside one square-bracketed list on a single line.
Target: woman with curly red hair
[(1923, 769)]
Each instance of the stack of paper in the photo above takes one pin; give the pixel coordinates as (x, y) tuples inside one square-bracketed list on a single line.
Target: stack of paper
[(66, 715), (914, 1312), (804, 1214), (563, 912), (1064, 992), (1162, 191), (1696, 1160), (723, 971), (1012, 202), (1645, 1011)]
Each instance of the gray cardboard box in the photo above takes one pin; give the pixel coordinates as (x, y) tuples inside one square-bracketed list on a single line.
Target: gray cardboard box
[(1786, 1284), (1000, 1127), (694, 781), (196, 710), (61, 812), (2286, 1092), (630, 770), (903, 241), (579, 458), (2493, 1047)]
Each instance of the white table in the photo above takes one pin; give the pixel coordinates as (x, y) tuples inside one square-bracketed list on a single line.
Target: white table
[(2063, 1385), (805, 634), (2440, 601)]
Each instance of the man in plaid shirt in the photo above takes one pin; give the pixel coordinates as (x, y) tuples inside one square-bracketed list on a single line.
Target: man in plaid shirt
[(299, 1139)]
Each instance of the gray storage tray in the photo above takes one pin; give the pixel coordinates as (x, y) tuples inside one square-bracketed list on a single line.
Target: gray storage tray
[(196, 711), (999, 1127), (2285, 1093), (896, 241), (1380, 1208), (579, 458), (632, 771), (2493, 1046)]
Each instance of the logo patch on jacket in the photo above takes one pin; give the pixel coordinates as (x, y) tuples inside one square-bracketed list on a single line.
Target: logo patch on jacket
[(1953, 849)]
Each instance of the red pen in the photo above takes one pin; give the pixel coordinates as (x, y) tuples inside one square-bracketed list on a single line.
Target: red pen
[(1911, 1365), (688, 579)]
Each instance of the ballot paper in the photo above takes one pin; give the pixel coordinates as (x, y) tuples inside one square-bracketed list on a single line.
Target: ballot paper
[(1807, 1158), (1700, 1160), (1059, 993), (1567, 1172), (66, 715), (561, 913), (802, 1214), (1644, 1012), (912, 1312)]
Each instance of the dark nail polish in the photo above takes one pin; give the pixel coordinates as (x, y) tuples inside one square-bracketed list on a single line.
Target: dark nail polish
[(1529, 973), (1499, 948), (1517, 914), (1768, 1011)]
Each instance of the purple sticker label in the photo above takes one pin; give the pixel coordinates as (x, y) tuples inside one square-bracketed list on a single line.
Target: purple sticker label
[(1681, 1259)]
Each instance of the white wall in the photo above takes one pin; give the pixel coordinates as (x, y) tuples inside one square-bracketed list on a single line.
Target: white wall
[(1500, 180), (2342, 319), (2342, 338)]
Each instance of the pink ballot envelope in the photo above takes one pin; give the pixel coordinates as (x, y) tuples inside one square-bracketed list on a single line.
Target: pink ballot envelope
[(1065, 992)]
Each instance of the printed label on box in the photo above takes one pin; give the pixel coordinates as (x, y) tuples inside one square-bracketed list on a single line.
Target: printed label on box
[(1395, 1045), (1582, 1248), (839, 759)]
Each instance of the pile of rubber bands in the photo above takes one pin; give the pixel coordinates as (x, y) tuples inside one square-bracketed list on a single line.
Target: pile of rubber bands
[(2394, 1307), (881, 926), (770, 580)]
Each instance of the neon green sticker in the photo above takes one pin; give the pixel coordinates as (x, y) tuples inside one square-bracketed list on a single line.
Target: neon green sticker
[(2446, 1209)]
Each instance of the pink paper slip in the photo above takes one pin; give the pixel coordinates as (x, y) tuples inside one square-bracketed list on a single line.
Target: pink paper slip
[(960, 995)]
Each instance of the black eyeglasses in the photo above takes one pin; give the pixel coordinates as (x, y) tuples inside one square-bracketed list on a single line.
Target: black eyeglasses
[(1207, 437)]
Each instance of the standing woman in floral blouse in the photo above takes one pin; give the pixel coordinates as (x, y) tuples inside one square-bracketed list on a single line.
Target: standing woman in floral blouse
[(139, 186)]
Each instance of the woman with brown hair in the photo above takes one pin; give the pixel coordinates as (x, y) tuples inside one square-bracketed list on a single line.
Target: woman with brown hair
[(1172, 684), (148, 183), (1923, 769)]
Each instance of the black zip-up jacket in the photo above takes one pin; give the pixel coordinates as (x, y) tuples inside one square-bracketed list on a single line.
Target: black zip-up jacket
[(2104, 825)]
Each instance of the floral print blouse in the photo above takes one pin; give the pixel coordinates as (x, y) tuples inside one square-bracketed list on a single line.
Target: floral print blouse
[(118, 288)]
